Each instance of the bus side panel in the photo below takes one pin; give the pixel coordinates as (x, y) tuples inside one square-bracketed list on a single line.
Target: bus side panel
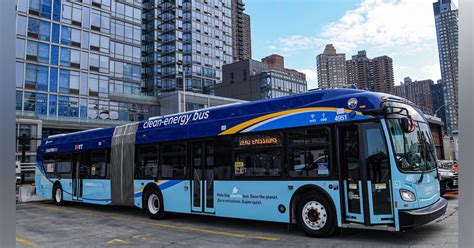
[(260, 200), (138, 186), (44, 186), (96, 191), (176, 194), (66, 185)]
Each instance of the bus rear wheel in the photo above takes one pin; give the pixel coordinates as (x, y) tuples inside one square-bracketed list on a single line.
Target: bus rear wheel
[(153, 204), (315, 216), (58, 195)]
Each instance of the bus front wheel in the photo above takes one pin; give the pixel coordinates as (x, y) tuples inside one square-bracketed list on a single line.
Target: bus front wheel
[(153, 204), (315, 216), (58, 195)]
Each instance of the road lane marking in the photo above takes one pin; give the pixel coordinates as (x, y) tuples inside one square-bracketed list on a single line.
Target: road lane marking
[(178, 227), (116, 241), (25, 242), (208, 231)]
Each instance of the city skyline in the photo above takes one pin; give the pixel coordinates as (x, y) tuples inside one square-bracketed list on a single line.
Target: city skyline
[(410, 41)]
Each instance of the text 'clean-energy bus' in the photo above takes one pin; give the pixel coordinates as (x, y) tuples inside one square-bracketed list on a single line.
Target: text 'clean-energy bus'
[(324, 160)]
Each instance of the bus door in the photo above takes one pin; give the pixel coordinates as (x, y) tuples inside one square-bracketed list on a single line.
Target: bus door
[(365, 174), (202, 177), (76, 177)]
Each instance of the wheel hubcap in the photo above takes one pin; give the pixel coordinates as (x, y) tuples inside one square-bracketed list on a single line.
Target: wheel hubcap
[(314, 215), (58, 195), (153, 204)]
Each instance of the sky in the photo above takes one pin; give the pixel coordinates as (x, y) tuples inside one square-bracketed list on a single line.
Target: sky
[(300, 29)]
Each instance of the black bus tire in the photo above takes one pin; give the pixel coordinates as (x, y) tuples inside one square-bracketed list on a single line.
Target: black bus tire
[(153, 204), (315, 216), (58, 195)]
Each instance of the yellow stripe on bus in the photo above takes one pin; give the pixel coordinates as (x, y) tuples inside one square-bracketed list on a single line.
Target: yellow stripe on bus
[(249, 123)]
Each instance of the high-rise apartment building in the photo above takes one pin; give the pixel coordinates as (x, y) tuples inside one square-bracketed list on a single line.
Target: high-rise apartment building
[(241, 34), (446, 20), (382, 74), (190, 36), (78, 63), (437, 96), (418, 92), (331, 68), (373, 74), (358, 70)]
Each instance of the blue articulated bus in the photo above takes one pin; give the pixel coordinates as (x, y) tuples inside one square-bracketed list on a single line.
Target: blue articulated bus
[(323, 160)]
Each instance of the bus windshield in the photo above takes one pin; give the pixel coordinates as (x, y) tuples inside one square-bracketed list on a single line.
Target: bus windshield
[(415, 150)]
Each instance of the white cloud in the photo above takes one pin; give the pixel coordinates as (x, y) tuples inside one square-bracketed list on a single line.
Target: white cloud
[(427, 72), (401, 29), (383, 24), (311, 78)]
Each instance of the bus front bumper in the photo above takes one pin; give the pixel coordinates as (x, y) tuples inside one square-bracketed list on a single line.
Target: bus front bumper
[(421, 216)]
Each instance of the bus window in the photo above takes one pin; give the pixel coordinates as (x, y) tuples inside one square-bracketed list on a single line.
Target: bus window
[(308, 152), (173, 160), (49, 164), (147, 162), (258, 155), (63, 165), (259, 163), (223, 158), (98, 164)]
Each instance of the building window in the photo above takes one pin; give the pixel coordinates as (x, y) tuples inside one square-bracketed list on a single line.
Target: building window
[(36, 77), (64, 81), (53, 79), (21, 25), (55, 33), (53, 100), (30, 102), (41, 104), (93, 85), (41, 8), (19, 100), (54, 55), (39, 29), (65, 56), (68, 106), (38, 52), (20, 70)]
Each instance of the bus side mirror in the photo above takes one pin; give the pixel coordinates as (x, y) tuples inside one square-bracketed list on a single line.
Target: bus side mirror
[(407, 124)]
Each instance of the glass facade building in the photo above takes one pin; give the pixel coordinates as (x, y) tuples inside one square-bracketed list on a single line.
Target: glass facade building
[(275, 83), (446, 20), (184, 35), (73, 57)]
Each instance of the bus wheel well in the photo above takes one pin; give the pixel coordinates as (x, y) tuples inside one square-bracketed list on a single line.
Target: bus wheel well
[(55, 185), (146, 189), (300, 192)]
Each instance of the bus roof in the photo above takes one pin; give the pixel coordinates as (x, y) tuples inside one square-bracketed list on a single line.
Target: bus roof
[(232, 118)]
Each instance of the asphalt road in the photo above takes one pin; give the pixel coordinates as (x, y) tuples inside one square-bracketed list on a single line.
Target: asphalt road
[(80, 225)]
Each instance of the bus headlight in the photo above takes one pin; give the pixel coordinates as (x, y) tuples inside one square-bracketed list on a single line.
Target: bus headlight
[(407, 195)]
